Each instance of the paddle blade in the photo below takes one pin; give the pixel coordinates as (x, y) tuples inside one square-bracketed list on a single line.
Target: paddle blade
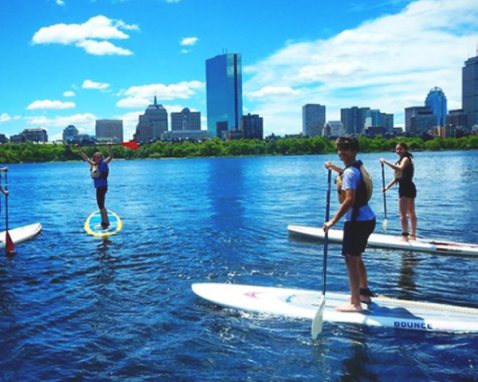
[(385, 225), (9, 245), (318, 321), (131, 145)]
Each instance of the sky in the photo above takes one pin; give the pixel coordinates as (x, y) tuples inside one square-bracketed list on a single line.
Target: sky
[(75, 61)]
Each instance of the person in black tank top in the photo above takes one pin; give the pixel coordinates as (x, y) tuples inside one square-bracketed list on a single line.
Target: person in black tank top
[(407, 192)]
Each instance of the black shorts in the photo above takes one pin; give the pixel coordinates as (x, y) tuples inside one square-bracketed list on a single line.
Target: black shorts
[(407, 190), (100, 196), (356, 236)]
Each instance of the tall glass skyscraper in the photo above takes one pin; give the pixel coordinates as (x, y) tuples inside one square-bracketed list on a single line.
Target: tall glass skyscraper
[(313, 120), (224, 93), (436, 101), (470, 91)]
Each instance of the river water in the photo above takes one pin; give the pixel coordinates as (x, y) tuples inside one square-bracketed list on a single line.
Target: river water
[(74, 307)]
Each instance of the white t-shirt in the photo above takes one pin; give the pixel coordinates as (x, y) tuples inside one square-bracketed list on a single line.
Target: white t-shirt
[(350, 181)]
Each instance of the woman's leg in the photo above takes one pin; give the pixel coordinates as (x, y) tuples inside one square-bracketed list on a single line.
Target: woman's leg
[(402, 210), (412, 216)]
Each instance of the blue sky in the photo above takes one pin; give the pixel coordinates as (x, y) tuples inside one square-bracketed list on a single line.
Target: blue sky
[(72, 62)]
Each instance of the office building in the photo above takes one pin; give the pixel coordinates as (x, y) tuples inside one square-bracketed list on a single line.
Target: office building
[(333, 129), (436, 101), (412, 112), (35, 135), (152, 124), (69, 134), (353, 119), (470, 91), (224, 93), (457, 118), (186, 120), (313, 120), (252, 126), (109, 130)]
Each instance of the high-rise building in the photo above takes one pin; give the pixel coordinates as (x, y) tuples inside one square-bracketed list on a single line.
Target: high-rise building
[(35, 135), (457, 118), (313, 120), (436, 101), (152, 123), (252, 126), (470, 90), (224, 93), (353, 119), (69, 134), (109, 130), (419, 120), (186, 120)]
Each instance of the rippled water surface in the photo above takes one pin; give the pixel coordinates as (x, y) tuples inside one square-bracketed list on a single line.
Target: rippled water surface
[(73, 307)]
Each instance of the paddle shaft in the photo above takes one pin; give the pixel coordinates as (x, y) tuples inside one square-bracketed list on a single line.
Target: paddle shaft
[(326, 236), (383, 188)]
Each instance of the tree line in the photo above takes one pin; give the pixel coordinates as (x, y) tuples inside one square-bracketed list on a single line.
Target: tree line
[(32, 152)]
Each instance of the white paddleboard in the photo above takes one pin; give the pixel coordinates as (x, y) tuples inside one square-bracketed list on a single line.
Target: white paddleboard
[(379, 240), (382, 312), (21, 234), (93, 224)]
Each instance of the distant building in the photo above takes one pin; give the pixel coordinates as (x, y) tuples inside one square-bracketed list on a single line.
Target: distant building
[(35, 135), (223, 93), (3, 138), (334, 129), (411, 114), (186, 120), (252, 126), (69, 134), (18, 138), (109, 130), (152, 124), (470, 91), (353, 119), (436, 101), (182, 135), (313, 120), (457, 118)]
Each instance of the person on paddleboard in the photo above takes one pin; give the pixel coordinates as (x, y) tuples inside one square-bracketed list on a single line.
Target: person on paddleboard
[(99, 171), (2, 190), (359, 221), (407, 192)]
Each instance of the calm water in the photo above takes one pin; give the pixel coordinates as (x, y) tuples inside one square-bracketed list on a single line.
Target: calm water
[(73, 307)]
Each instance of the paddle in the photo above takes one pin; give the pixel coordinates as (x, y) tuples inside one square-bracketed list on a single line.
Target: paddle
[(316, 328), (9, 245), (385, 221)]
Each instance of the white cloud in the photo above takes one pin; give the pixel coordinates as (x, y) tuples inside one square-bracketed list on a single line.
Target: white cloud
[(50, 105), (69, 93), (89, 84), (60, 2), (189, 41), (92, 35), (4, 117), (388, 63), (142, 96), (85, 123)]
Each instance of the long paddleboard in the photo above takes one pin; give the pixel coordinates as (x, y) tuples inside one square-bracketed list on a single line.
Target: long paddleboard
[(379, 240), (93, 225), (382, 312), (21, 234)]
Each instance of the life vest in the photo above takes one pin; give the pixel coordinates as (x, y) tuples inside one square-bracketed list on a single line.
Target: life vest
[(364, 191), (96, 173)]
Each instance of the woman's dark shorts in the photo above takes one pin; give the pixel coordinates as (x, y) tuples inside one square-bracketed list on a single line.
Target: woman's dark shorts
[(356, 236), (407, 190), (100, 196)]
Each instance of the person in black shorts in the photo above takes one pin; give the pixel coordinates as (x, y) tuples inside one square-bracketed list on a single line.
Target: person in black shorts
[(407, 192), (359, 222)]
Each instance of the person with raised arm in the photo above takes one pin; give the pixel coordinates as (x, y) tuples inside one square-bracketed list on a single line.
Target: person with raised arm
[(99, 171), (404, 170), (359, 220)]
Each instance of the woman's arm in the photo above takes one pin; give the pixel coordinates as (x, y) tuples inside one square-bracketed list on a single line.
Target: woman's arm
[(110, 155), (395, 180), (85, 158), (404, 163)]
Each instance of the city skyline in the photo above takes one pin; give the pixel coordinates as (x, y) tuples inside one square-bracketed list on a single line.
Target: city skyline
[(83, 61)]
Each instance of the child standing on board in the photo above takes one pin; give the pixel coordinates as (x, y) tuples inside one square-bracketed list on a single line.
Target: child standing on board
[(359, 222), (99, 171), (407, 192)]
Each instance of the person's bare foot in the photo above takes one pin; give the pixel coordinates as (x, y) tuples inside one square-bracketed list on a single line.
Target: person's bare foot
[(412, 237), (404, 236), (349, 308)]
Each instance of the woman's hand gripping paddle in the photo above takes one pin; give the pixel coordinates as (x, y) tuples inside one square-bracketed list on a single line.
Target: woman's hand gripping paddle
[(317, 323)]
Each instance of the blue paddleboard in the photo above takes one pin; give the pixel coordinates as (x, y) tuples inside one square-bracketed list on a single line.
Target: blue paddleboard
[(93, 224)]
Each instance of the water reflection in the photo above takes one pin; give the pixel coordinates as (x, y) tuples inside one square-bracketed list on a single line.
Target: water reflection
[(406, 280)]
